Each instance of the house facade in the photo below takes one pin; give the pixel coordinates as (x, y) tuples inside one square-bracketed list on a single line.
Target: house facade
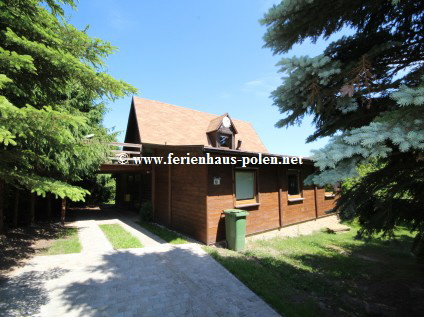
[(190, 197)]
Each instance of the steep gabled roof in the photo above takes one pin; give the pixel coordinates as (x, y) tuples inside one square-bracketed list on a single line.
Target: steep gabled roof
[(215, 123), (161, 123)]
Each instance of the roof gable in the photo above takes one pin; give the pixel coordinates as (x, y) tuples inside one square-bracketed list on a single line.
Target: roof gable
[(216, 123), (161, 123)]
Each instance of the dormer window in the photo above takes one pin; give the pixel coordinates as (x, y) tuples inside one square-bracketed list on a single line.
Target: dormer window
[(226, 122), (225, 140), (221, 132)]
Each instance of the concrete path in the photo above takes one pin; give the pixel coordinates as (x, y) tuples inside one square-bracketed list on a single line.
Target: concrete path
[(157, 280)]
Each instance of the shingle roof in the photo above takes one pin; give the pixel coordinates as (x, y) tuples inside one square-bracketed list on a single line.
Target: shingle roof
[(161, 123), (215, 123)]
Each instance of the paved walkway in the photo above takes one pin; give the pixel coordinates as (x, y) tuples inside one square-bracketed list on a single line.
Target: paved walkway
[(157, 280)]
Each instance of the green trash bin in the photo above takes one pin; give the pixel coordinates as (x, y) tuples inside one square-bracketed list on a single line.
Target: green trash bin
[(235, 228)]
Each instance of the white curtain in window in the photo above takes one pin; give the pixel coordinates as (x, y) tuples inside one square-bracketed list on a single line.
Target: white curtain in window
[(245, 185)]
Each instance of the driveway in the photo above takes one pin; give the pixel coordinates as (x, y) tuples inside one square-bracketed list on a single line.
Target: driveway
[(157, 280)]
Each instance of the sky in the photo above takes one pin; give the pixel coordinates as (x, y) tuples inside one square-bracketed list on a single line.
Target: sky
[(204, 55)]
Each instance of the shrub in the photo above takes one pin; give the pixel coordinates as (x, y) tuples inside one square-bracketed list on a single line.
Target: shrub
[(146, 211)]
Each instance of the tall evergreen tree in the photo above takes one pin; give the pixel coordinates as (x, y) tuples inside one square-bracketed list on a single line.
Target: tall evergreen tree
[(365, 91), (53, 91)]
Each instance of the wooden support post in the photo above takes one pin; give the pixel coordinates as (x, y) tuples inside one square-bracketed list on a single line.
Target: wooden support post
[(2, 192), (280, 195), (32, 210), (233, 183), (316, 201), (206, 204), (153, 184), (49, 206), (16, 209), (63, 211), (169, 196)]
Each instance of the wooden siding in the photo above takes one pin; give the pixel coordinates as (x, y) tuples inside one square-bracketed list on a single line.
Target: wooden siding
[(161, 199), (324, 204), (266, 216), (220, 197), (187, 200), (180, 196), (302, 210)]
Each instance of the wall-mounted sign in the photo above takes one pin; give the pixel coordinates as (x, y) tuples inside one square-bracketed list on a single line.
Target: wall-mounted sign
[(217, 180)]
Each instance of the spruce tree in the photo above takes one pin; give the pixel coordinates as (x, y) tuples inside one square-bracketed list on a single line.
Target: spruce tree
[(53, 92), (366, 92)]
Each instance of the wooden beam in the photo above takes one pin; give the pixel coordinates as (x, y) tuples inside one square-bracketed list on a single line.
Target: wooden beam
[(132, 145), (124, 168), (114, 158), (124, 151)]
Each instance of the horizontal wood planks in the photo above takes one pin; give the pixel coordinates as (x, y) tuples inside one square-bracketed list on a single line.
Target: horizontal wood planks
[(324, 204), (265, 216), (161, 195), (188, 200), (181, 196)]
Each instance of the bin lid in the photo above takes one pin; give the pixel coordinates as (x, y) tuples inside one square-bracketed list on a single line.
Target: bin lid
[(236, 212)]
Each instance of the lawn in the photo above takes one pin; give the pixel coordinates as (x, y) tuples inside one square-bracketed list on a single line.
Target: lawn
[(119, 237), (163, 233), (67, 241), (326, 274)]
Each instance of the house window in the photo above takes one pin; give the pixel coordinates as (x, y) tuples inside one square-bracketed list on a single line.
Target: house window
[(330, 190), (224, 140), (245, 184), (293, 181)]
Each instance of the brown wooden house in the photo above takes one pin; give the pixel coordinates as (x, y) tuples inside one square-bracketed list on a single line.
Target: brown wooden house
[(191, 198)]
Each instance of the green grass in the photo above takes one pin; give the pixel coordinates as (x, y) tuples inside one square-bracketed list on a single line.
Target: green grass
[(163, 233), (67, 242), (324, 274), (119, 237)]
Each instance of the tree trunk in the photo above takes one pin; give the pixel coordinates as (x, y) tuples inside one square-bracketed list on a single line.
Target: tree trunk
[(62, 212), (32, 210), (16, 209), (1, 205), (49, 207), (418, 247)]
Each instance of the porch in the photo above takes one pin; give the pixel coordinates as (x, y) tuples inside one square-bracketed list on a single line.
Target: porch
[(133, 181)]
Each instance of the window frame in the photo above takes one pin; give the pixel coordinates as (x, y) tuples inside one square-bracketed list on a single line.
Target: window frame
[(246, 202), (331, 194), (230, 138), (299, 196)]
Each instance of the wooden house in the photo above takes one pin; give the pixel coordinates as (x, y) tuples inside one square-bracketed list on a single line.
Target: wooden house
[(190, 198)]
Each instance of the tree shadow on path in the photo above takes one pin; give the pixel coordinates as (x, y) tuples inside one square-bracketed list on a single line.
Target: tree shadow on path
[(24, 294), (178, 282)]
